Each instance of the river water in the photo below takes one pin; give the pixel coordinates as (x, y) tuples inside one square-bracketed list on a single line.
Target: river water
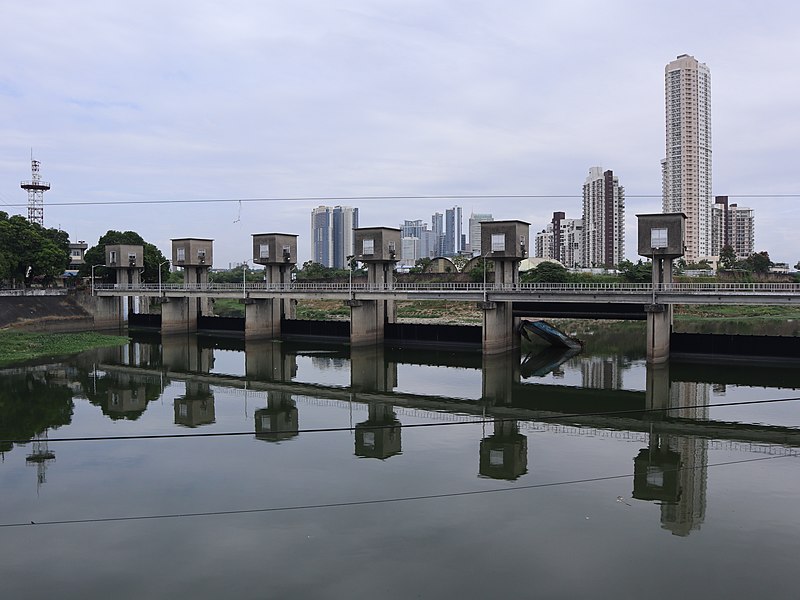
[(199, 467)]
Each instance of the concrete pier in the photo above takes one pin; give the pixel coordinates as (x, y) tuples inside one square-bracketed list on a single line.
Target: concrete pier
[(178, 315), (262, 318)]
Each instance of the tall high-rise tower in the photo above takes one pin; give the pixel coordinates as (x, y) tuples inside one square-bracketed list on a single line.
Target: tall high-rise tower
[(603, 219), (332, 234), (686, 170), (36, 189)]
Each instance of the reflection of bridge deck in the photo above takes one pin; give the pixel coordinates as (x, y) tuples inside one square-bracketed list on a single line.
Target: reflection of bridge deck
[(521, 407)]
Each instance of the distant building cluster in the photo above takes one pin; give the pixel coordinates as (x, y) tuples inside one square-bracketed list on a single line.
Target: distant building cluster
[(332, 235), (597, 239)]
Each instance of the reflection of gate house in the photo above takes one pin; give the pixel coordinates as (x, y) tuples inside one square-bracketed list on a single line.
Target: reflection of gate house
[(379, 435), (127, 262), (278, 253), (279, 420), (504, 454), (195, 256), (196, 406)]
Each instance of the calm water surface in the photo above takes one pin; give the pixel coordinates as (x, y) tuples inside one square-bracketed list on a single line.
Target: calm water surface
[(520, 481)]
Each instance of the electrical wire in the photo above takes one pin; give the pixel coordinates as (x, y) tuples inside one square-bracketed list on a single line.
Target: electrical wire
[(365, 198), (275, 509), (162, 436)]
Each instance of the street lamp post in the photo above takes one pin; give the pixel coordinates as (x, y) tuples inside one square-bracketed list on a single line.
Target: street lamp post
[(93, 268), (244, 278), (484, 277), (350, 264), (159, 275)]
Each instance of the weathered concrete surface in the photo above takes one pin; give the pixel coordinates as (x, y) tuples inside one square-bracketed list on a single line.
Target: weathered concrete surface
[(44, 313)]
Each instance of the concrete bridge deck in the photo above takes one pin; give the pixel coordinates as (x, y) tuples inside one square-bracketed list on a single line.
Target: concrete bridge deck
[(631, 293)]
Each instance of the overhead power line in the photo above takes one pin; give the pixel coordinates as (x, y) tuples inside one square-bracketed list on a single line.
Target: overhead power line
[(366, 198), (274, 509)]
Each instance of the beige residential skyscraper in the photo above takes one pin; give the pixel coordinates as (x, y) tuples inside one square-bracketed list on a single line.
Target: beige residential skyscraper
[(686, 170), (603, 219)]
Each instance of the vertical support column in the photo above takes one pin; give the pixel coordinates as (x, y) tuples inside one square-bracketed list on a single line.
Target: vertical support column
[(366, 322), (498, 327), (178, 315), (659, 316), (262, 318)]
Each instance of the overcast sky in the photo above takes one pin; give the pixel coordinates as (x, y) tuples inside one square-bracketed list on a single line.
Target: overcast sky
[(180, 100)]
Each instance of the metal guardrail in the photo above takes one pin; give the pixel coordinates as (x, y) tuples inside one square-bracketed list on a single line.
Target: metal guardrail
[(35, 292), (572, 288)]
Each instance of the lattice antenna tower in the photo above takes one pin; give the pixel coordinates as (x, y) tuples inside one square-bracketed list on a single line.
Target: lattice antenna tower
[(36, 189)]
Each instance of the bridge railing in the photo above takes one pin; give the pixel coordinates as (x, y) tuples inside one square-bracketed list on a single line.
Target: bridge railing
[(570, 288)]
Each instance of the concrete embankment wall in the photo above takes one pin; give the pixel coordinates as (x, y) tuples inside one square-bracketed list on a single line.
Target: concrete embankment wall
[(44, 314)]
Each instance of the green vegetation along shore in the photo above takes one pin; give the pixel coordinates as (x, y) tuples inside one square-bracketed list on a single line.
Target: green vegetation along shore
[(16, 346)]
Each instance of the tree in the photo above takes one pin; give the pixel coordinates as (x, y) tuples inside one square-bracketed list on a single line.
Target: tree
[(636, 273), (96, 255), (758, 262), (420, 265), (546, 272), (727, 258), (313, 270), (29, 251)]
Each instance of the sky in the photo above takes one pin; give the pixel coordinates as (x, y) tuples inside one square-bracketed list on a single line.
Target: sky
[(309, 102)]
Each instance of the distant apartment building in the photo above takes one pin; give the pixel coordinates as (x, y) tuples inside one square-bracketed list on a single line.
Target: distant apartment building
[(732, 225), (475, 220), (453, 238), (561, 240), (332, 234), (603, 220), (686, 169)]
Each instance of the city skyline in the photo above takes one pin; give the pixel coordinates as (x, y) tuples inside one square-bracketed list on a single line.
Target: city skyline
[(328, 105)]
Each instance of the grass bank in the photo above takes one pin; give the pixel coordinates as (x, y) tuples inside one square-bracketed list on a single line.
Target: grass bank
[(16, 346)]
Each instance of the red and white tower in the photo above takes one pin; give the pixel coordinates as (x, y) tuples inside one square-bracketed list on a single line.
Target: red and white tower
[(36, 189)]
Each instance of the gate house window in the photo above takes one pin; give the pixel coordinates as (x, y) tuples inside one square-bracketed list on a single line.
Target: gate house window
[(498, 242), (658, 238), (368, 247), (181, 254), (112, 257), (263, 251)]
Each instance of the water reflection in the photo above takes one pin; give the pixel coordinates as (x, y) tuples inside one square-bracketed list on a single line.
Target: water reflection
[(196, 406), (279, 421), (504, 454), (672, 416), (379, 436)]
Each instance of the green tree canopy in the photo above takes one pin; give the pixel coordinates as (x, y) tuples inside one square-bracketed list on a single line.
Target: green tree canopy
[(96, 255), (639, 272), (30, 252), (546, 272), (727, 258), (758, 262)]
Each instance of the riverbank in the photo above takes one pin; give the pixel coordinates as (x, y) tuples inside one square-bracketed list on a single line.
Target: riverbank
[(17, 347)]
